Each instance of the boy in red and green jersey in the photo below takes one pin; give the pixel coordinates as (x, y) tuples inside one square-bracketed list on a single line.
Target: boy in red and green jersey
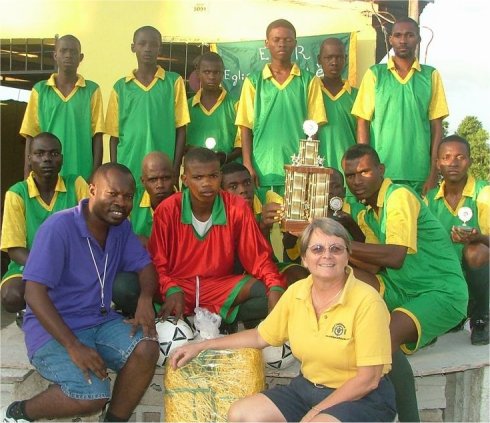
[(198, 235)]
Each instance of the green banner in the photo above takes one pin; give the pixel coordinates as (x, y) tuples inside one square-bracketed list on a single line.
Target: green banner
[(243, 57)]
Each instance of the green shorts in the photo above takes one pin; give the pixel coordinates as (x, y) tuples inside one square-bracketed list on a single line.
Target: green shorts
[(432, 314)]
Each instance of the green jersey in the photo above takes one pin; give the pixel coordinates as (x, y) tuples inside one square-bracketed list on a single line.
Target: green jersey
[(472, 197), (400, 128), (71, 121), (146, 119), (217, 123), (340, 132), (142, 213), (434, 265)]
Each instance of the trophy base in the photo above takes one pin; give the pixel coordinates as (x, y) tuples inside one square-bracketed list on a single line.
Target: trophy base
[(464, 228), (295, 226)]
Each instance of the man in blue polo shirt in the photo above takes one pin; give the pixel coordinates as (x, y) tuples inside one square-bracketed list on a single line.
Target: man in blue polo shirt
[(71, 333)]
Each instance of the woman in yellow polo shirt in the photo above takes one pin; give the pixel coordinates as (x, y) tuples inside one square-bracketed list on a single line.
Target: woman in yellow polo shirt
[(338, 328)]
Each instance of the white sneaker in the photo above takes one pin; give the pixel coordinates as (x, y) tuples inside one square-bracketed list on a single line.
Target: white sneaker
[(5, 419)]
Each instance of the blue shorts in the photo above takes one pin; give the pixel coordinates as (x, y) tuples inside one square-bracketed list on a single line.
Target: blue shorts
[(111, 340), (297, 398)]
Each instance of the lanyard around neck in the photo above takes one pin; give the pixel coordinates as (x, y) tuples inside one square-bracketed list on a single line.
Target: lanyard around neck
[(103, 310)]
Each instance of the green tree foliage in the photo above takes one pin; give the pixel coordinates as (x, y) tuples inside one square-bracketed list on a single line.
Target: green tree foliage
[(472, 129), (445, 128)]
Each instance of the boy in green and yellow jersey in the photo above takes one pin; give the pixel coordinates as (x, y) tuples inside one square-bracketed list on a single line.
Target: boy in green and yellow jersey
[(418, 274), (70, 107), (338, 97), (28, 204), (213, 111), (400, 107), (459, 189), (274, 103), (147, 110)]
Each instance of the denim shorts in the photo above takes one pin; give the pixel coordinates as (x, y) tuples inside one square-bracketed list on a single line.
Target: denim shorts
[(111, 340), (297, 398)]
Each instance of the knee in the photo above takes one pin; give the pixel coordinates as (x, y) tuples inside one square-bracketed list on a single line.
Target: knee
[(12, 295), (236, 412), (476, 255), (146, 352)]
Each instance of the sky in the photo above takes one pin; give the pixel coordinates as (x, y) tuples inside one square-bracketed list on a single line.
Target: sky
[(458, 52)]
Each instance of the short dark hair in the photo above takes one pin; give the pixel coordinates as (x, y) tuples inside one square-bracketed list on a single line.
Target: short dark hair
[(69, 37), (147, 28), (200, 155), (360, 150), (209, 56), (455, 138), (406, 19), (233, 167), (332, 40), (280, 23), (104, 169), (48, 135)]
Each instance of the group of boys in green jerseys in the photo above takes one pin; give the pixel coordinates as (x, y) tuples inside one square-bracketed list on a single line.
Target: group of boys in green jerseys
[(273, 105)]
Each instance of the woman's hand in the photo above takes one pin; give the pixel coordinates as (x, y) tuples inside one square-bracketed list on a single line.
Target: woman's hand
[(182, 355)]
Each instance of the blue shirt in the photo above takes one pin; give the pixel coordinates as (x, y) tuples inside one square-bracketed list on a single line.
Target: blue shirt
[(60, 259)]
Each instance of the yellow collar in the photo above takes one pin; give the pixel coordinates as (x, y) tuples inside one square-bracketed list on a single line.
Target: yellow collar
[(468, 190), (197, 97), (382, 192), (304, 292), (415, 64), (267, 73), (34, 191), (160, 73), (52, 80)]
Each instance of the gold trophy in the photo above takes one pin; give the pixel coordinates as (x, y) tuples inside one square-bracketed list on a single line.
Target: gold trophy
[(307, 185)]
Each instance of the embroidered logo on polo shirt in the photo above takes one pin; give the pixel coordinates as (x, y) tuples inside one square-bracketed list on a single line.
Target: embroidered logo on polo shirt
[(338, 331)]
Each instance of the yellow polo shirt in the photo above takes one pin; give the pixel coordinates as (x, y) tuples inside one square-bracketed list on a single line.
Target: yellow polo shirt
[(353, 332)]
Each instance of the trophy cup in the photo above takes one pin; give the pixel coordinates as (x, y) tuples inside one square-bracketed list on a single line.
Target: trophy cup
[(210, 143), (465, 214), (307, 185)]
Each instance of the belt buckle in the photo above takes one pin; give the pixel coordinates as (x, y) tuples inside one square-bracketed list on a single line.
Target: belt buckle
[(318, 385)]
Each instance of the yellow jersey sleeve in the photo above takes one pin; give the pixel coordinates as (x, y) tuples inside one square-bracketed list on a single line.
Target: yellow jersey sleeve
[(483, 206), (81, 188), (364, 104), (245, 112), (112, 115), (238, 136), (30, 124), (402, 210), (371, 237), (438, 108), (97, 112), (316, 108), (14, 231), (181, 109)]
